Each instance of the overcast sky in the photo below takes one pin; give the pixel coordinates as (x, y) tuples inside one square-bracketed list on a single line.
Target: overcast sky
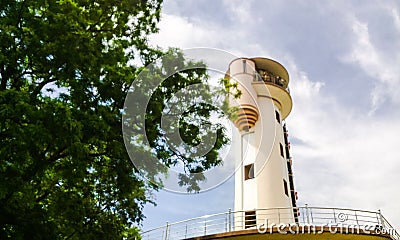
[(343, 58)]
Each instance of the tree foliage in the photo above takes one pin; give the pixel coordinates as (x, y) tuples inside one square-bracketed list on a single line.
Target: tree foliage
[(180, 122), (65, 69)]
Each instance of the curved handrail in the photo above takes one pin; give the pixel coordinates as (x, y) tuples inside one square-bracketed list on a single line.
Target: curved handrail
[(308, 216)]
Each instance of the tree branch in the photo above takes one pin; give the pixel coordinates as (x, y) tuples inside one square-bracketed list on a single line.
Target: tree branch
[(72, 234), (97, 154), (60, 154)]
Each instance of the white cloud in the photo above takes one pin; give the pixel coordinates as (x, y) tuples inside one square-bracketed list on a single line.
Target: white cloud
[(176, 31), (240, 11), (396, 18), (378, 65), (182, 32), (341, 159)]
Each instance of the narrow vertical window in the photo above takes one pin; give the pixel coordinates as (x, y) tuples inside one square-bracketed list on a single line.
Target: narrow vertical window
[(277, 116), (244, 66), (281, 149), (285, 187), (249, 171)]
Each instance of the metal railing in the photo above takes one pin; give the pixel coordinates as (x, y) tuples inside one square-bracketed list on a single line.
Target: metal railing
[(269, 78), (273, 217)]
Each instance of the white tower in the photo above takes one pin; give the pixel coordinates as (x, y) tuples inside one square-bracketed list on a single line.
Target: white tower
[(264, 177)]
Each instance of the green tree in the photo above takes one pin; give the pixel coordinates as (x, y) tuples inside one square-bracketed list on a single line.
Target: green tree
[(179, 121), (65, 69)]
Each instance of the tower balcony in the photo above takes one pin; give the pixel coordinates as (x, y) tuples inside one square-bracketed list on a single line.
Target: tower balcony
[(271, 80), (262, 75)]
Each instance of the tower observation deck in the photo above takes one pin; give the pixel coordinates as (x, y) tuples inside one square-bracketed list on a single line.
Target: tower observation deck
[(265, 205)]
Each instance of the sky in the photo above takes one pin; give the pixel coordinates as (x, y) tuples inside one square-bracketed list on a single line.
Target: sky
[(343, 59)]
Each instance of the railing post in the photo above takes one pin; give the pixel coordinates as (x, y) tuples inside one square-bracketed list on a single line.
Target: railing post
[(381, 218), (355, 213), (205, 227), (229, 220), (334, 216), (279, 217), (166, 231), (378, 217), (307, 217)]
